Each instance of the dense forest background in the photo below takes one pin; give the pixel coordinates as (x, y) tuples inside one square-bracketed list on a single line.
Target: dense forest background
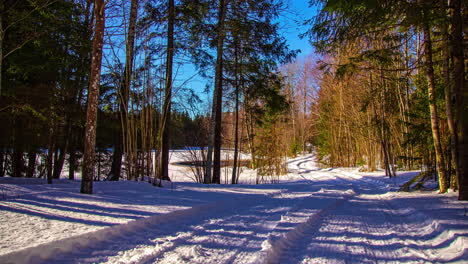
[(94, 85)]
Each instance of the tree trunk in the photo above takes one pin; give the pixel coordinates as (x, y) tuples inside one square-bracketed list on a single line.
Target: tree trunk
[(433, 109), (218, 97), (449, 106), (236, 125), (93, 93), (461, 92), (166, 111), (127, 127)]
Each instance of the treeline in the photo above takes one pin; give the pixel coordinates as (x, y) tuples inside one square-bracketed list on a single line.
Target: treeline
[(84, 76), (393, 91)]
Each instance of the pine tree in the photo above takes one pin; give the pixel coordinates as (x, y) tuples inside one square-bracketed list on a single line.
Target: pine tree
[(166, 111)]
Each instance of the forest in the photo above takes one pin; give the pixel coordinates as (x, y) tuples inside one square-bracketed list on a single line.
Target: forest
[(98, 90)]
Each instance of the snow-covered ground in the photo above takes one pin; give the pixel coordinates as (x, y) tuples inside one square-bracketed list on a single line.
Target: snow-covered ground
[(313, 215)]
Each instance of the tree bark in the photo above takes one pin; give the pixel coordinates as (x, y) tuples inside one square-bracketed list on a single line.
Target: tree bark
[(433, 109), (166, 114), (93, 93), (461, 92), (218, 94), (236, 125), (449, 106)]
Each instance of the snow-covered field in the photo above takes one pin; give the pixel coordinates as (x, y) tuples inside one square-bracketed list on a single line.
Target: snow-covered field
[(313, 215)]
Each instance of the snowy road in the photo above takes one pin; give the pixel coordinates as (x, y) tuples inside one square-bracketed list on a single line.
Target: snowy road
[(330, 216)]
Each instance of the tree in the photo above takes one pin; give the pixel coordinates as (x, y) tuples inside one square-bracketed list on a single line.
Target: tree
[(166, 114), (458, 85), (123, 94), (93, 93), (427, 43), (214, 142)]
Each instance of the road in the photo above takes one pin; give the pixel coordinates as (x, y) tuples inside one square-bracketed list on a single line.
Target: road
[(330, 216)]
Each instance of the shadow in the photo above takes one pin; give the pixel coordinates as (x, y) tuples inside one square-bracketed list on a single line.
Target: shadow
[(49, 216)]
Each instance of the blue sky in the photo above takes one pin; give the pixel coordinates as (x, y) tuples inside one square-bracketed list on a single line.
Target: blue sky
[(292, 25)]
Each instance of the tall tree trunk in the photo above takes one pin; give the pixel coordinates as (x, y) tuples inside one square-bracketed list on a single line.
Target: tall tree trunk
[(93, 93), (433, 109), (236, 125), (218, 97), (461, 92), (164, 137), (449, 106)]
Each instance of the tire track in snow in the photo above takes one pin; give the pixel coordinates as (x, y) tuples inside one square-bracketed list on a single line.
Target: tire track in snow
[(396, 237), (286, 249), (282, 250), (243, 250)]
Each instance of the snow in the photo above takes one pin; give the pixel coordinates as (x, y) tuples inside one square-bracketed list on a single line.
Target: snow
[(313, 215)]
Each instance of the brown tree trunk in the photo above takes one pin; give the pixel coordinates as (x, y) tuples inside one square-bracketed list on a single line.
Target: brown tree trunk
[(166, 113), (461, 92), (218, 97), (236, 125), (449, 106), (93, 93), (433, 109)]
